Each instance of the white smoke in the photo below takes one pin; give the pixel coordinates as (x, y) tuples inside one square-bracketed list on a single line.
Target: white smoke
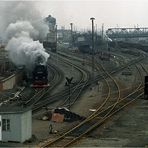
[(27, 50), (16, 29), (23, 28)]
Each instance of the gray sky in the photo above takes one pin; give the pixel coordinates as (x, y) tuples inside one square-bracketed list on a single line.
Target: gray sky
[(113, 13)]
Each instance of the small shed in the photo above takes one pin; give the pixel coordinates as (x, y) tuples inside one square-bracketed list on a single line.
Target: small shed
[(15, 123)]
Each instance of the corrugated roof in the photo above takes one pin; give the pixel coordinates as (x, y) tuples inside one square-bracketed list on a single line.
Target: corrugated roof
[(11, 109)]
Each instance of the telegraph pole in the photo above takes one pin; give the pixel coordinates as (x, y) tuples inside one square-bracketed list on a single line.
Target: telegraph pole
[(103, 31), (71, 25), (56, 34), (93, 66), (56, 40)]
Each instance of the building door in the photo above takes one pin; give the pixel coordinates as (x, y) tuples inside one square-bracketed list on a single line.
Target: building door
[(0, 127)]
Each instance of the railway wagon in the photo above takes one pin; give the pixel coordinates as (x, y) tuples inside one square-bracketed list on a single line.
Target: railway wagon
[(51, 45), (40, 76), (104, 55), (84, 48)]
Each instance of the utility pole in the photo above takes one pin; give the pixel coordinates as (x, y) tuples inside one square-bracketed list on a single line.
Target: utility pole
[(56, 40), (93, 66), (56, 35), (96, 30), (102, 31), (71, 25)]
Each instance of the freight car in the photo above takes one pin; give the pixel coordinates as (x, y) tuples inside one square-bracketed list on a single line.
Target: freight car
[(104, 55), (83, 45), (84, 48), (40, 76), (124, 44)]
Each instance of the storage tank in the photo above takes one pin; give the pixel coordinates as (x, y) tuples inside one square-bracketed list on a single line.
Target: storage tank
[(51, 21)]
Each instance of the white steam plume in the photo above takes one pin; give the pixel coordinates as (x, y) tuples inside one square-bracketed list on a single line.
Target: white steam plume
[(11, 12), (27, 50), (23, 28), (15, 30)]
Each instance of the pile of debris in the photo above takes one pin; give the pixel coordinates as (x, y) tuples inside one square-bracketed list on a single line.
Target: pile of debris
[(62, 115)]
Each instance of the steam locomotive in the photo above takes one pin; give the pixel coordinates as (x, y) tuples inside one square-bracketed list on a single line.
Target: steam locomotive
[(40, 76)]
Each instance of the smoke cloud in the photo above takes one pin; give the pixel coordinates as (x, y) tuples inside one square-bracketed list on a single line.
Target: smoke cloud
[(22, 28), (16, 29), (27, 51)]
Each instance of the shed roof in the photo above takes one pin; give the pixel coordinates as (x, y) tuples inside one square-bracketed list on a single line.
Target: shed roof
[(11, 109)]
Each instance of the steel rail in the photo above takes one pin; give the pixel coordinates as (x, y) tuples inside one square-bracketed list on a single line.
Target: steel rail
[(107, 115), (45, 145), (82, 79), (94, 115), (39, 95)]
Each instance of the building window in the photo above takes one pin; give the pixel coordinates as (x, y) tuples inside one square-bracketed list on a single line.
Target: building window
[(5, 124)]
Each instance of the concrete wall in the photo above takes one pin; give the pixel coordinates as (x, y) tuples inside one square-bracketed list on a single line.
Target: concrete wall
[(26, 125), (15, 128)]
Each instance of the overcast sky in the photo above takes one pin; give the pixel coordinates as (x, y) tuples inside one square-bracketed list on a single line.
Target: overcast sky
[(113, 13)]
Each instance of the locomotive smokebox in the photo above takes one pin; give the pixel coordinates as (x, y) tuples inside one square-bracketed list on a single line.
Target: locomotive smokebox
[(40, 60)]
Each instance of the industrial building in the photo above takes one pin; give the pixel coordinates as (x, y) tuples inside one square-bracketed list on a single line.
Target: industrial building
[(9, 77), (16, 123)]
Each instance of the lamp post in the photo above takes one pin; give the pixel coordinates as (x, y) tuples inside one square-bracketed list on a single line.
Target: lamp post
[(56, 39), (92, 20)]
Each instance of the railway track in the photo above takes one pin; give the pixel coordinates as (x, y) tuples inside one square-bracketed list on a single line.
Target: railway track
[(77, 90), (123, 66), (62, 94), (13, 98), (40, 94), (99, 117)]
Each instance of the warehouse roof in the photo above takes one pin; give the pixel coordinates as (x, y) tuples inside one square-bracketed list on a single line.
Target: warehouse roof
[(11, 109)]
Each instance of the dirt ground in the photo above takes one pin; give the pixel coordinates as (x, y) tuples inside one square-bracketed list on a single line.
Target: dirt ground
[(128, 129), (41, 128)]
